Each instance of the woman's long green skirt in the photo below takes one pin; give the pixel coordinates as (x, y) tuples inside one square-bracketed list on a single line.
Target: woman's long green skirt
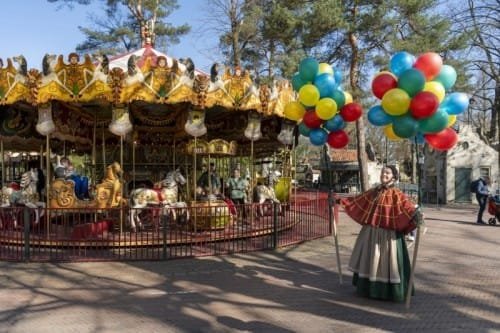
[(381, 264)]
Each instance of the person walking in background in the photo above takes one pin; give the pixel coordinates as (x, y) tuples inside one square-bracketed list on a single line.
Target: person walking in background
[(380, 260), (482, 193)]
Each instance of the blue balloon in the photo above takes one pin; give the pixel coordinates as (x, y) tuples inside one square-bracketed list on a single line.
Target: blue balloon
[(378, 117), (325, 84), (401, 62), (337, 74), (318, 136), (447, 76), (455, 103), (334, 124), (304, 130), (308, 68), (297, 82)]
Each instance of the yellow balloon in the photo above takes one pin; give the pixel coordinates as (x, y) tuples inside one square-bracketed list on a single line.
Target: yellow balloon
[(326, 108), (451, 120), (436, 88), (396, 102), (309, 95), (325, 68), (348, 97), (294, 111), (389, 133)]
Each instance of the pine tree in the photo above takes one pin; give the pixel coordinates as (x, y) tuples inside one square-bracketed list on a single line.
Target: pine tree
[(124, 23)]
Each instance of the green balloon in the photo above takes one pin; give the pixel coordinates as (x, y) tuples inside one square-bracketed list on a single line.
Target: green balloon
[(308, 69), (405, 126), (339, 98), (412, 81), (434, 124)]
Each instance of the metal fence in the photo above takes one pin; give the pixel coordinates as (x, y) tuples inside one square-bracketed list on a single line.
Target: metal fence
[(166, 233)]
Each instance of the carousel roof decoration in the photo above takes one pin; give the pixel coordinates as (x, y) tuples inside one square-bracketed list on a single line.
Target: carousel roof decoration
[(15, 85), (146, 74), (74, 81), (161, 93), (216, 147)]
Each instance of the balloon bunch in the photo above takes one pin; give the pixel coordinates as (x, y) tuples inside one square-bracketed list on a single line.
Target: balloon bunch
[(323, 107), (414, 100)]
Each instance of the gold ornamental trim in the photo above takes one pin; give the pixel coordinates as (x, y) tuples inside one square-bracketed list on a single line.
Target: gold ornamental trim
[(216, 147)]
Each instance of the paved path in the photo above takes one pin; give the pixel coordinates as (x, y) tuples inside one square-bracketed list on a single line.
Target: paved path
[(294, 289)]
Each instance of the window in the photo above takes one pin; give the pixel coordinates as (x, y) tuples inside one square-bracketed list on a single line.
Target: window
[(484, 172)]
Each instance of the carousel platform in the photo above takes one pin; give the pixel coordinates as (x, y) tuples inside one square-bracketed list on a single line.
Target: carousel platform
[(106, 235)]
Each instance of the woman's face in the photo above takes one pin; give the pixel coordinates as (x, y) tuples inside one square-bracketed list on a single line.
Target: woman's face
[(386, 176)]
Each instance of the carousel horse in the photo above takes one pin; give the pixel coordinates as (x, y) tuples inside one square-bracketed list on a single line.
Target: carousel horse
[(26, 195), (165, 194), (263, 193), (22, 69), (100, 72)]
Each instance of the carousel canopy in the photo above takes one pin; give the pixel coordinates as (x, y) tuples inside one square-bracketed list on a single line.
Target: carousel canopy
[(159, 98)]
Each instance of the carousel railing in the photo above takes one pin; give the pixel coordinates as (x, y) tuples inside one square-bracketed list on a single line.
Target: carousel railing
[(165, 233)]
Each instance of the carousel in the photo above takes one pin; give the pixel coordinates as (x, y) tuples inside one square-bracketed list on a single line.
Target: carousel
[(118, 152)]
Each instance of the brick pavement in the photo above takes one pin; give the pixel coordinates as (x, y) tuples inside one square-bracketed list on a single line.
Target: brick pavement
[(294, 289)]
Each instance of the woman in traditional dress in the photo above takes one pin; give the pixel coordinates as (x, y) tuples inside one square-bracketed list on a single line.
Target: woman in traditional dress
[(380, 260)]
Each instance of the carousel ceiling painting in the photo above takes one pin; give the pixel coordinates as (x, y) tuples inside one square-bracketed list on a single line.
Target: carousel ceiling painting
[(155, 97)]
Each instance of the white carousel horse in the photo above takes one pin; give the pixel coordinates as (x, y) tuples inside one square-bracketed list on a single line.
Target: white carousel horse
[(27, 195), (263, 193), (22, 69), (100, 72), (165, 195), (49, 64)]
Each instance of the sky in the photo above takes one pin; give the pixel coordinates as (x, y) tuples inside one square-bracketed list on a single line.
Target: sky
[(36, 27)]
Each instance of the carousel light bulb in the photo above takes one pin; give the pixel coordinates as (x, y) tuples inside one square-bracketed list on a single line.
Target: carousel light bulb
[(120, 125), (253, 132), (286, 133), (45, 124), (195, 124)]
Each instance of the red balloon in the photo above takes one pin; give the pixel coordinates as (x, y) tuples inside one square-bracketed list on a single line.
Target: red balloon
[(351, 112), (338, 139), (444, 140), (312, 120), (383, 83), (430, 64), (423, 105)]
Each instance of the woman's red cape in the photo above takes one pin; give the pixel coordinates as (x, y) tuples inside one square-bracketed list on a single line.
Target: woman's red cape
[(387, 208)]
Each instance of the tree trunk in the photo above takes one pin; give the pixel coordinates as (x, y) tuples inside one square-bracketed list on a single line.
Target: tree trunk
[(360, 125), (495, 118), (235, 33), (414, 163), (271, 60)]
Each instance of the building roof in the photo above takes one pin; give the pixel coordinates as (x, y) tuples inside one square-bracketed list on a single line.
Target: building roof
[(343, 155)]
